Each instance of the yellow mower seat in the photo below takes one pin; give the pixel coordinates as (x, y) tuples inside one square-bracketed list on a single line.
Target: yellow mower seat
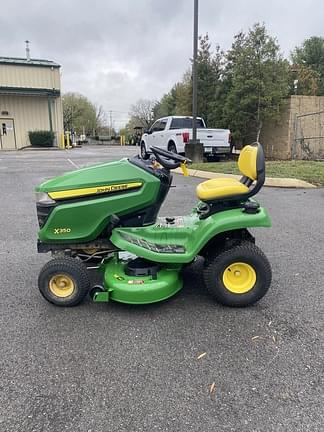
[(218, 188), (251, 163)]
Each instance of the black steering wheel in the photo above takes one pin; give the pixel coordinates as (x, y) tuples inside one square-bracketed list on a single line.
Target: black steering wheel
[(164, 157)]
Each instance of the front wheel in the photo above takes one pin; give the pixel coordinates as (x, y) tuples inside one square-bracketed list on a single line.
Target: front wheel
[(239, 276), (64, 281), (144, 154)]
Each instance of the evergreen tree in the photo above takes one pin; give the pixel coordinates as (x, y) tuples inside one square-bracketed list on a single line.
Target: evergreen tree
[(183, 96), (209, 66), (167, 105), (179, 100), (311, 55), (255, 82)]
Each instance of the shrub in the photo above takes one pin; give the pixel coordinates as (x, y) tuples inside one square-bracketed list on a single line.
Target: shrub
[(41, 138)]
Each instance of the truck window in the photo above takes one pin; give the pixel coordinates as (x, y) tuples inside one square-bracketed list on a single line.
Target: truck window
[(163, 124), (185, 123), (159, 125), (155, 127)]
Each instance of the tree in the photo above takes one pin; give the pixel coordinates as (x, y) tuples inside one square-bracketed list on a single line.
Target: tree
[(256, 82), (179, 100), (142, 113), (80, 114), (303, 80), (183, 95), (311, 54), (101, 117), (167, 105), (209, 68)]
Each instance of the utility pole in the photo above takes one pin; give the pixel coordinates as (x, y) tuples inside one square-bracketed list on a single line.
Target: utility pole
[(194, 73), (194, 149), (110, 124)]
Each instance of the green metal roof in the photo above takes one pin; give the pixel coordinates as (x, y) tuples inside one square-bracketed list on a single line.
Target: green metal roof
[(31, 62)]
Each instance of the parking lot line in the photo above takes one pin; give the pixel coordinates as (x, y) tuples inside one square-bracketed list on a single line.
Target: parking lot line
[(74, 164)]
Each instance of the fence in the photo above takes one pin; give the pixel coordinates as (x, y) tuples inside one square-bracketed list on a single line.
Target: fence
[(308, 136)]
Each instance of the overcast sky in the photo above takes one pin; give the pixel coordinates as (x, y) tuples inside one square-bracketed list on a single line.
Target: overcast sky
[(117, 51)]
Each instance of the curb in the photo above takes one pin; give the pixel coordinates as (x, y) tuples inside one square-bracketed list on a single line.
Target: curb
[(270, 181), (30, 148)]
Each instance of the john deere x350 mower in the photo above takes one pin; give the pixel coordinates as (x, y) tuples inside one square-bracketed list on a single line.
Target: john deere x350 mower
[(105, 217)]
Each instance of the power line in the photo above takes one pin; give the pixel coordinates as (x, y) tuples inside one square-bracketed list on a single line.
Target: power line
[(116, 111)]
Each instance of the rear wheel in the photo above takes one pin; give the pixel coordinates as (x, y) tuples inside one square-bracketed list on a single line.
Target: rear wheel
[(172, 148), (239, 276), (64, 281), (144, 154), (213, 158)]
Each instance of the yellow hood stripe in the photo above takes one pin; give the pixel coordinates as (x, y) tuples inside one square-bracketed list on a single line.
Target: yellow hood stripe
[(74, 193)]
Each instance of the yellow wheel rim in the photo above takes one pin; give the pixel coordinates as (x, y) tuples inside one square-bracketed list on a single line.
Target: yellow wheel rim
[(61, 285), (239, 278)]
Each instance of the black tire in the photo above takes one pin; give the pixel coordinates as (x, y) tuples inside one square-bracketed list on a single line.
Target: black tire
[(249, 256), (144, 154), (96, 289), (213, 158), (172, 147), (70, 270)]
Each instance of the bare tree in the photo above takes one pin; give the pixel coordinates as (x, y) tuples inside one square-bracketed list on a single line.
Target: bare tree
[(142, 113), (101, 116)]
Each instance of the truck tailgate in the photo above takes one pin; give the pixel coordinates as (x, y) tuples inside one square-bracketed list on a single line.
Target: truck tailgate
[(214, 137)]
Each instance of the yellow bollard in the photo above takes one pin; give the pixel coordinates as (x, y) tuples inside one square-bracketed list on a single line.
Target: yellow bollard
[(62, 141), (67, 140)]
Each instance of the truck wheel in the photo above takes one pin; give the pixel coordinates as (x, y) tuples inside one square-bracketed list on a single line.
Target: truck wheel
[(239, 276), (144, 154), (64, 281), (172, 148)]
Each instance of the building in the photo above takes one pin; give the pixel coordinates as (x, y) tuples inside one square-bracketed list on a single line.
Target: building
[(299, 132), (30, 99)]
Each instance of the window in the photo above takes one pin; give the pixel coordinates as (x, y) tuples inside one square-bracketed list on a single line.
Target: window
[(185, 123), (155, 127), (159, 125), (163, 124)]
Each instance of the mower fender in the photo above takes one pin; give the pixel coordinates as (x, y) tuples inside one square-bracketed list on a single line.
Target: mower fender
[(183, 240)]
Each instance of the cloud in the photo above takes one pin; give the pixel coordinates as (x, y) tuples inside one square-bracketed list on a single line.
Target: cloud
[(115, 52)]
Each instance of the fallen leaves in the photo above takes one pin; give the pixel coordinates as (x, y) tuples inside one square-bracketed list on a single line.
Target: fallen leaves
[(271, 337), (202, 355), (211, 387), (212, 390), (274, 342)]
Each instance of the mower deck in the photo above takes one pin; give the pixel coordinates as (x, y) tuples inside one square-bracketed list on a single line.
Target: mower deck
[(138, 289)]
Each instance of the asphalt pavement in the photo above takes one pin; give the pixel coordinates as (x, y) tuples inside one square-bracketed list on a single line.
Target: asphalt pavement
[(115, 368)]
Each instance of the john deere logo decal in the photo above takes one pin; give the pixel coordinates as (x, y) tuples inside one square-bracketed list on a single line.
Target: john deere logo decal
[(75, 193), (113, 188)]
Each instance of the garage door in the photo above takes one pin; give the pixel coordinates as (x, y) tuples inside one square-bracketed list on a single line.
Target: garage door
[(7, 134)]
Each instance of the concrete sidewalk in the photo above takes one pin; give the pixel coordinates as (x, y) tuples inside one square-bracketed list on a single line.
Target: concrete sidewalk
[(270, 181)]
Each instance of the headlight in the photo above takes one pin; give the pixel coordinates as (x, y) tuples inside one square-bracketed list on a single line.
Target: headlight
[(43, 198)]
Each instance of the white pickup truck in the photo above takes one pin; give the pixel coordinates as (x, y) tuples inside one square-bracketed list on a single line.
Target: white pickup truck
[(172, 133)]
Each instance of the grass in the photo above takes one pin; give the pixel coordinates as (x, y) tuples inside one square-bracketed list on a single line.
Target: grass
[(310, 171)]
